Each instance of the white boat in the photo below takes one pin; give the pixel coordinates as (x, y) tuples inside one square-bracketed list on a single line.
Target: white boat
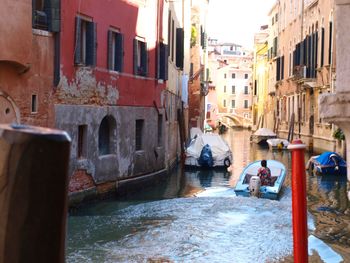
[(208, 150), (278, 173), (261, 135), (278, 144)]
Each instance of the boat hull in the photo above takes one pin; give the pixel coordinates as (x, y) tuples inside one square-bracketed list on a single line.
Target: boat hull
[(324, 165), (278, 171)]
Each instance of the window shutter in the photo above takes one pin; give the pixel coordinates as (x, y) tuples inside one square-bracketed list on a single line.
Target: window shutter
[(77, 49), (91, 43), (322, 46), (52, 9), (305, 51), (294, 59), (330, 43), (179, 48), (161, 61), (110, 49), (316, 53), (166, 55), (135, 56), (144, 59), (282, 68), (308, 56), (119, 52), (278, 69)]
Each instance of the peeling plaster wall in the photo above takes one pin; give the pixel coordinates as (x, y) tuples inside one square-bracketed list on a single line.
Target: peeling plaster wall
[(124, 162), (85, 88)]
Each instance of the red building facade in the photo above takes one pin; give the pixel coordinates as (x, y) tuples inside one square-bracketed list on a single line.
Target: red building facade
[(96, 69)]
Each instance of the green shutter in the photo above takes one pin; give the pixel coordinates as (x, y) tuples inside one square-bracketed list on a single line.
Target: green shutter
[(135, 56), (91, 43), (110, 49), (77, 49), (119, 52)]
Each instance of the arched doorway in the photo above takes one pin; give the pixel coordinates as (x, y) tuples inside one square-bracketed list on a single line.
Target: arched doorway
[(106, 136)]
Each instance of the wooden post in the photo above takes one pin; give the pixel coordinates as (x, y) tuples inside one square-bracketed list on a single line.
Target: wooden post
[(33, 194)]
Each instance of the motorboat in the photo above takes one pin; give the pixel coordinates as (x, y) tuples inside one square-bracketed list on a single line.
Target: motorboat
[(278, 174), (329, 163), (261, 135), (208, 150), (277, 144)]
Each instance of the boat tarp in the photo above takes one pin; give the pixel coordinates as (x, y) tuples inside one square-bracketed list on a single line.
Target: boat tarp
[(325, 159), (264, 132), (195, 132), (217, 145)]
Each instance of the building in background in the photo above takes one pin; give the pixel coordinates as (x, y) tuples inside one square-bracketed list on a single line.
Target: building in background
[(260, 103), (176, 92), (305, 69), (199, 72), (271, 120), (231, 72)]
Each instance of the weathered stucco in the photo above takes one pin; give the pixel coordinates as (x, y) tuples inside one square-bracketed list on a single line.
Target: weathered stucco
[(86, 89), (124, 161)]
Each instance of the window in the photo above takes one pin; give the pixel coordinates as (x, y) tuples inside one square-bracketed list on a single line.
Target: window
[(85, 42), (139, 132), (224, 89), (140, 58), (82, 141), (233, 104), (225, 76), (34, 107), (115, 50), (180, 48), (46, 15), (162, 62), (330, 51), (169, 33), (172, 39), (106, 135), (245, 76), (224, 103), (233, 75), (246, 104), (233, 89), (160, 129), (245, 89)]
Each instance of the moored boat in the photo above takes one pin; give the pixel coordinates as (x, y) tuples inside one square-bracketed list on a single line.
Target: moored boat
[(208, 150), (278, 174), (261, 135), (277, 144), (328, 163)]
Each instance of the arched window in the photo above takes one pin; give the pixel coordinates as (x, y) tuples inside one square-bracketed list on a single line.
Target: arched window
[(106, 135)]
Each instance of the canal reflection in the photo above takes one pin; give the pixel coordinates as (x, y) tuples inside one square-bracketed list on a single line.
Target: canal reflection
[(194, 216)]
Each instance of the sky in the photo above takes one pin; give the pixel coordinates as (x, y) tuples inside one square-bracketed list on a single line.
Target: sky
[(237, 20)]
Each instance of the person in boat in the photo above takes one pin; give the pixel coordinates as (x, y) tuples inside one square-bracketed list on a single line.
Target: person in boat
[(280, 146), (264, 173)]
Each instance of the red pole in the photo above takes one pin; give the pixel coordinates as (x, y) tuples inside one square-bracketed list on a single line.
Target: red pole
[(300, 234)]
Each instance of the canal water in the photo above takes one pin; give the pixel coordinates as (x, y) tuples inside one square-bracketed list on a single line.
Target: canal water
[(194, 216)]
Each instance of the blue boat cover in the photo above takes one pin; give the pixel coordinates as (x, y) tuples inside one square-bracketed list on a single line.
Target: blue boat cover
[(324, 159), (206, 157)]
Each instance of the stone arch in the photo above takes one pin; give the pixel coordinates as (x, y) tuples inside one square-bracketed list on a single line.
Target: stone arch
[(236, 120), (106, 135)]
